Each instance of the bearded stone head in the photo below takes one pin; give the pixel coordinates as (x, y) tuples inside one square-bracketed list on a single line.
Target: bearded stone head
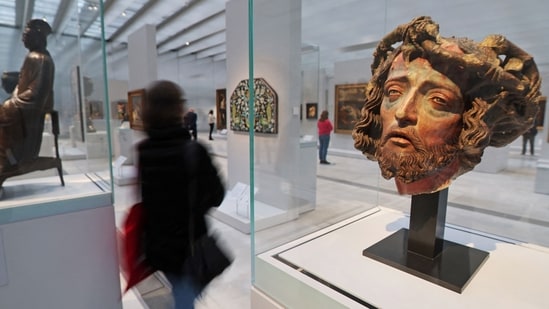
[(434, 104)]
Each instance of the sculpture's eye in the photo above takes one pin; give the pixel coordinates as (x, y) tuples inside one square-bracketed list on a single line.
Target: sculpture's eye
[(393, 93), (439, 101), (447, 101)]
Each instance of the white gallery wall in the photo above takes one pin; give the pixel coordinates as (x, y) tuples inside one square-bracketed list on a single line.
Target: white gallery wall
[(346, 72), (198, 79), (277, 54)]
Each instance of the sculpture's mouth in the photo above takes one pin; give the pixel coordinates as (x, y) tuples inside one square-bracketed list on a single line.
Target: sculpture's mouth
[(400, 139)]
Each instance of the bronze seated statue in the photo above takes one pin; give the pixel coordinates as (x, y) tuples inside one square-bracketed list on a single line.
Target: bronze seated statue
[(22, 115), (21, 138)]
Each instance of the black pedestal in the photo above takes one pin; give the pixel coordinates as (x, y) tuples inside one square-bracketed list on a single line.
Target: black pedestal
[(453, 268), (422, 251)]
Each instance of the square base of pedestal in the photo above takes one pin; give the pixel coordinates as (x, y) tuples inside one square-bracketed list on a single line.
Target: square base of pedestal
[(453, 268)]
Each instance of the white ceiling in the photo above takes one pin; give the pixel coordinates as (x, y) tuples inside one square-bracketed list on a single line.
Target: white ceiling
[(341, 30)]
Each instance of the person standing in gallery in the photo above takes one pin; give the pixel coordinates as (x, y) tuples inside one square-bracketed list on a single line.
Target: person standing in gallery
[(179, 184), (211, 122), (190, 122), (325, 127), (528, 138)]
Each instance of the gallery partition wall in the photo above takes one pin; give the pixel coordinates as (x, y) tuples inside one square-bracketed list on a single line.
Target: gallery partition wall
[(315, 243)]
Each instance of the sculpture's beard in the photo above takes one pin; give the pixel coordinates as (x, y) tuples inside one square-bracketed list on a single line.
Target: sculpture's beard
[(410, 167)]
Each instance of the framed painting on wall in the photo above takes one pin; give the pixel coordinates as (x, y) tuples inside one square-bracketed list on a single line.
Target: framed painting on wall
[(221, 108), (95, 109), (311, 110), (136, 101), (348, 103), (540, 118), (265, 107), (120, 110)]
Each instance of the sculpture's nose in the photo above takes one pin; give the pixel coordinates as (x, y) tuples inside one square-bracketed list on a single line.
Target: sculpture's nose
[(406, 113)]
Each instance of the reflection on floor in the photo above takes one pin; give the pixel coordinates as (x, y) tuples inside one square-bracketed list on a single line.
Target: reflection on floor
[(503, 204)]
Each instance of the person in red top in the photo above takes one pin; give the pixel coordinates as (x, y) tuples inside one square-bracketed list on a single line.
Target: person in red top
[(325, 127)]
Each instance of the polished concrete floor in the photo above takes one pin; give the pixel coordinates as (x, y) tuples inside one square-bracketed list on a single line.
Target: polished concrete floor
[(502, 203)]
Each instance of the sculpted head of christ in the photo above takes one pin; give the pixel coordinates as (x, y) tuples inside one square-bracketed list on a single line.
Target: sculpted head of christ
[(434, 104)]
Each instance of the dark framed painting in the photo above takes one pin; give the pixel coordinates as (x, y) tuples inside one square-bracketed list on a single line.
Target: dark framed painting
[(221, 107), (540, 118), (311, 110), (95, 109), (265, 107), (120, 110), (348, 103), (136, 102)]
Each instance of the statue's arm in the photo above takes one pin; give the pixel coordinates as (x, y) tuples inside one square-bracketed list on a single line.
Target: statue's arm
[(35, 80)]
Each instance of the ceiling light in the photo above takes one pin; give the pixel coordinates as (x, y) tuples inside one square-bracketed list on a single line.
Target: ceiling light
[(187, 43), (123, 13)]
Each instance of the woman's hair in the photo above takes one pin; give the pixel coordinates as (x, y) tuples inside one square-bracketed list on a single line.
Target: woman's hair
[(323, 115), (211, 111), (501, 95), (163, 106)]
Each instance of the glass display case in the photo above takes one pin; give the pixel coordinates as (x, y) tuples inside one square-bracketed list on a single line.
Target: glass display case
[(56, 208), (316, 258), (76, 122)]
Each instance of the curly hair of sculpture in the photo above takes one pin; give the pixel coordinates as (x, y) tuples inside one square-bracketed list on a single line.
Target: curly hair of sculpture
[(435, 103)]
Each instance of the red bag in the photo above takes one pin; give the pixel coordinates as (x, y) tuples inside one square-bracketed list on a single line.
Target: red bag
[(134, 264)]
